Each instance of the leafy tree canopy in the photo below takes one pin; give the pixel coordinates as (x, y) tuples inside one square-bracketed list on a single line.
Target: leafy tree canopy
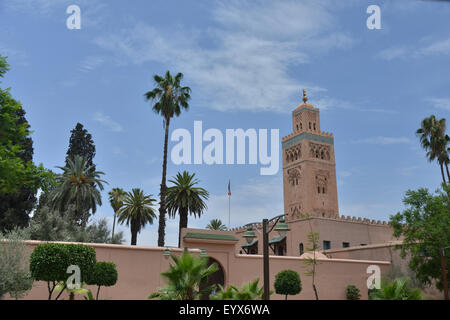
[(425, 228)]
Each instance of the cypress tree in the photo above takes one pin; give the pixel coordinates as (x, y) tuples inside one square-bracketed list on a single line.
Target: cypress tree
[(81, 144)]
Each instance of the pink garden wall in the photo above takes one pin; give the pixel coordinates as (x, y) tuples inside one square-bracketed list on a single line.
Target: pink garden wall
[(139, 269)]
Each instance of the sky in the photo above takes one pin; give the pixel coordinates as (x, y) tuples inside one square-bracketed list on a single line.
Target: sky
[(247, 63)]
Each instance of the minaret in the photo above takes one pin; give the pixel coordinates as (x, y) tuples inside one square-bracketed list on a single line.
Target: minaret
[(309, 169)]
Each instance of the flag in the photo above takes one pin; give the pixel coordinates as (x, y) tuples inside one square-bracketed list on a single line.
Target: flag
[(229, 188)]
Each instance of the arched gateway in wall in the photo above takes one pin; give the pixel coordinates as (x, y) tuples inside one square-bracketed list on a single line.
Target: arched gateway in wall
[(216, 278)]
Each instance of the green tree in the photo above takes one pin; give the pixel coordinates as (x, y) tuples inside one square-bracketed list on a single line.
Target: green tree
[(49, 262), (287, 282), (116, 196), (51, 225), (216, 224), (436, 142), (81, 144), (184, 278), (167, 99), (16, 207), (352, 292), (20, 178), (104, 275), (424, 227), (396, 290), (184, 198), (79, 185), (248, 291), (136, 211), (311, 262)]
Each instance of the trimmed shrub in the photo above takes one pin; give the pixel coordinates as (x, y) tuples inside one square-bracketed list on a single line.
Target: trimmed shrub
[(104, 274), (352, 292), (49, 262), (287, 282), (15, 278)]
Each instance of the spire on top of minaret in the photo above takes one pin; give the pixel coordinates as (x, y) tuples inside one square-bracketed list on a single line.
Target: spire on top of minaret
[(305, 98)]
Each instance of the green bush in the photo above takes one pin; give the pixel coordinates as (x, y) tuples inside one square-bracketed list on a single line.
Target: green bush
[(49, 262), (287, 282), (248, 291), (396, 290), (104, 274), (15, 278), (352, 292)]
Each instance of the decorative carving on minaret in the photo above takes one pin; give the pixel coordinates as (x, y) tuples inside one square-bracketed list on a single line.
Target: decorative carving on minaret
[(309, 170), (293, 153), (293, 176), (319, 151), (322, 181)]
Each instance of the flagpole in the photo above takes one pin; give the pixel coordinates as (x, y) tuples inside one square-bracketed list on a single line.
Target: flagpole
[(229, 204), (229, 211)]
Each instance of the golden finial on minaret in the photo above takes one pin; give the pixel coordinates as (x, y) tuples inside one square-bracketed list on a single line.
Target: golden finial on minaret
[(305, 98)]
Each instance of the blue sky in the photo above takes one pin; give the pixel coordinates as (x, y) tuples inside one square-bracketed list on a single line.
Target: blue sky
[(246, 62)]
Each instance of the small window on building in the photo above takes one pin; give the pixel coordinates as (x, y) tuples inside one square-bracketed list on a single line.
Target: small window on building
[(310, 125), (326, 245), (301, 127), (297, 127), (363, 244), (302, 250), (318, 189), (323, 190), (345, 244), (314, 126)]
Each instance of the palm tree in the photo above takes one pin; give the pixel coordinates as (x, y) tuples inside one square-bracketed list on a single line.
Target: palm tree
[(168, 99), (396, 290), (434, 140), (78, 185), (185, 199), (216, 224), (136, 211), (116, 196), (185, 277)]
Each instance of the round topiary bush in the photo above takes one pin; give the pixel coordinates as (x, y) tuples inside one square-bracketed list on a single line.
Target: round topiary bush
[(287, 282), (352, 292), (49, 262), (104, 274)]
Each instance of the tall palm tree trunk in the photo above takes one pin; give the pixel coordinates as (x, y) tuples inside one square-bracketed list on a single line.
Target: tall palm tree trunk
[(114, 224), (183, 224), (134, 233), (162, 203), (448, 173), (442, 173)]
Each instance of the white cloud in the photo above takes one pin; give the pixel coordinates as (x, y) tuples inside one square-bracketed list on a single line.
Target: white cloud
[(107, 122), (440, 47), (90, 63), (383, 140), (441, 103), (259, 198), (436, 48), (327, 103), (393, 53), (246, 65)]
